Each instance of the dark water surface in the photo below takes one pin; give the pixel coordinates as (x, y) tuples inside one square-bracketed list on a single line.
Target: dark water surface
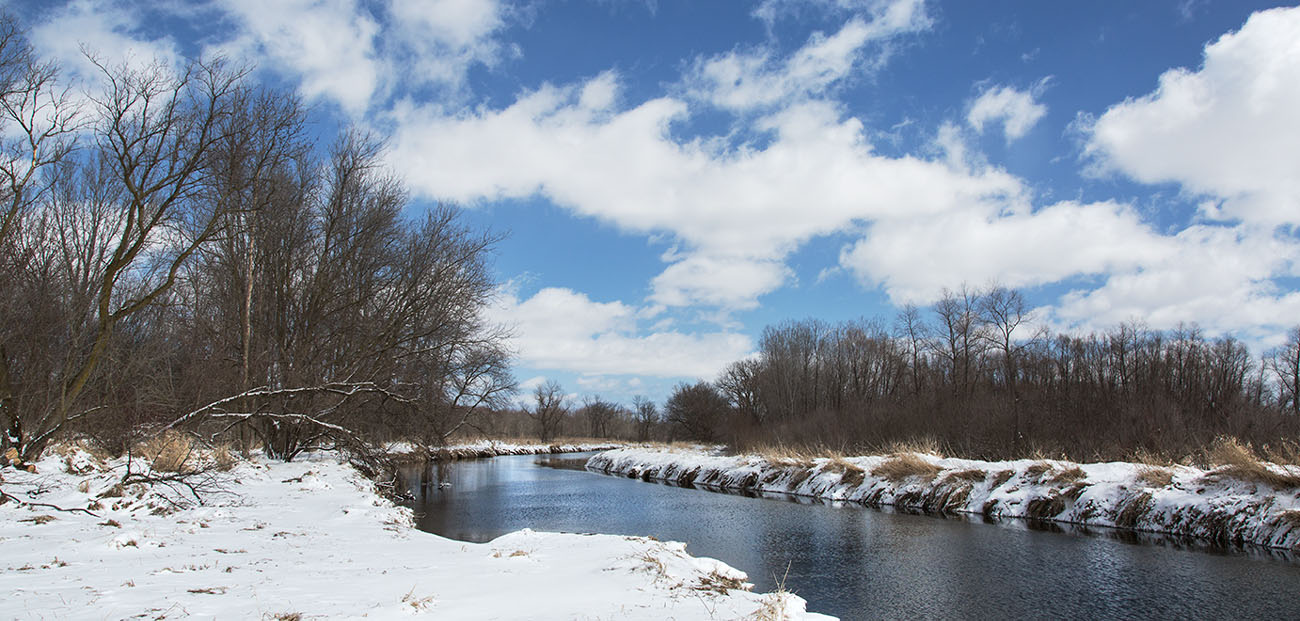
[(858, 563)]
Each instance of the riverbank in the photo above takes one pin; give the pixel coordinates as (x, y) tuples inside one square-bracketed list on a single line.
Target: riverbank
[(1242, 503), (406, 452), (314, 539)]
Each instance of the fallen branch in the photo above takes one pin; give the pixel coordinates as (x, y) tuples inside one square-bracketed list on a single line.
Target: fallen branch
[(5, 497)]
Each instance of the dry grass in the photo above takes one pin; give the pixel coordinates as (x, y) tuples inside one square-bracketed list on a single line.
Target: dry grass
[(922, 446), (1133, 510), (797, 456), (1001, 477), (973, 475), (1068, 475), (1237, 460), (1151, 458), (224, 457), (168, 452), (852, 474), (1154, 476), (904, 465), (714, 582), (281, 616)]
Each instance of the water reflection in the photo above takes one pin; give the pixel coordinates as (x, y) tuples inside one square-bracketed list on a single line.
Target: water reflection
[(858, 563)]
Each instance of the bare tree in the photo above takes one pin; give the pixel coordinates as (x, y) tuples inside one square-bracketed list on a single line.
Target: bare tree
[(647, 416), (699, 409), (549, 410), (1284, 364), (154, 137)]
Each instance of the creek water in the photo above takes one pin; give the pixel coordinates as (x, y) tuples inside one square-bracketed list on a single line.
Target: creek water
[(855, 562)]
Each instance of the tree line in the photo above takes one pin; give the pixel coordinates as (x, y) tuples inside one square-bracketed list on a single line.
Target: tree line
[(178, 248), (971, 373)]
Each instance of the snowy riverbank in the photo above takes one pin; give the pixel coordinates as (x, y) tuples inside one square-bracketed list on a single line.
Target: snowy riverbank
[(1258, 504), (406, 451), (312, 539)]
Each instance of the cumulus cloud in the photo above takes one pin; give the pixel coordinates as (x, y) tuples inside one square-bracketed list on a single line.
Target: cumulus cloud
[(1015, 110), (1228, 129), (564, 330), (914, 259), (738, 208), (110, 32), (329, 45), (746, 80), (1219, 277)]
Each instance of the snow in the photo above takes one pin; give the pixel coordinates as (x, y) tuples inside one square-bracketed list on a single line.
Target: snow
[(313, 538), (1180, 500)]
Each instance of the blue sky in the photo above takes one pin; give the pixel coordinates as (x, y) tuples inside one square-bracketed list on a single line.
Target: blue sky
[(674, 176)]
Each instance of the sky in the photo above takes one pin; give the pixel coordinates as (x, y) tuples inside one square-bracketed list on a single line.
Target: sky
[(673, 176)]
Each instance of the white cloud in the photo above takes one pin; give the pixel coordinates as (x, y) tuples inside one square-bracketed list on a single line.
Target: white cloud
[(342, 51), (914, 259), (741, 208), (564, 330), (441, 39), (1016, 110), (895, 15), (755, 79), (1219, 277), (107, 31), (329, 45), (1229, 129)]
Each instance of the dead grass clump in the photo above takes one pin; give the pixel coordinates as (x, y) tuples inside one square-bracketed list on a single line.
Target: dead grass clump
[(784, 455), (168, 452), (1036, 470), (1155, 476), (714, 582), (282, 616), (1285, 452), (904, 465), (1045, 508), (851, 474), (224, 458), (973, 475), (922, 446), (1001, 477), (1237, 460), (1133, 510), (1151, 458), (800, 476), (1068, 475)]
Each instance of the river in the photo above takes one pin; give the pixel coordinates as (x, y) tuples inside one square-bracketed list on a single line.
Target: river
[(860, 563)]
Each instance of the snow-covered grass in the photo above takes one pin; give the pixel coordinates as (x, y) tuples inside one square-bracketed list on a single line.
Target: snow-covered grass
[(1241, 501), (313, 539)]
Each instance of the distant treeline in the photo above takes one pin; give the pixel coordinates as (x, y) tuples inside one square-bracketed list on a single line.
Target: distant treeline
[(969, 374)]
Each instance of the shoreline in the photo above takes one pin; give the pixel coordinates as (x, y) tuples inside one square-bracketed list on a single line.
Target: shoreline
[(406, 453), (314, 538), (1182, 501)]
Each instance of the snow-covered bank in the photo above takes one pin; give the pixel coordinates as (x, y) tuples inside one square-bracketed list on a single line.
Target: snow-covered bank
[(405, 451), (313, 539), (1219, 505)]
